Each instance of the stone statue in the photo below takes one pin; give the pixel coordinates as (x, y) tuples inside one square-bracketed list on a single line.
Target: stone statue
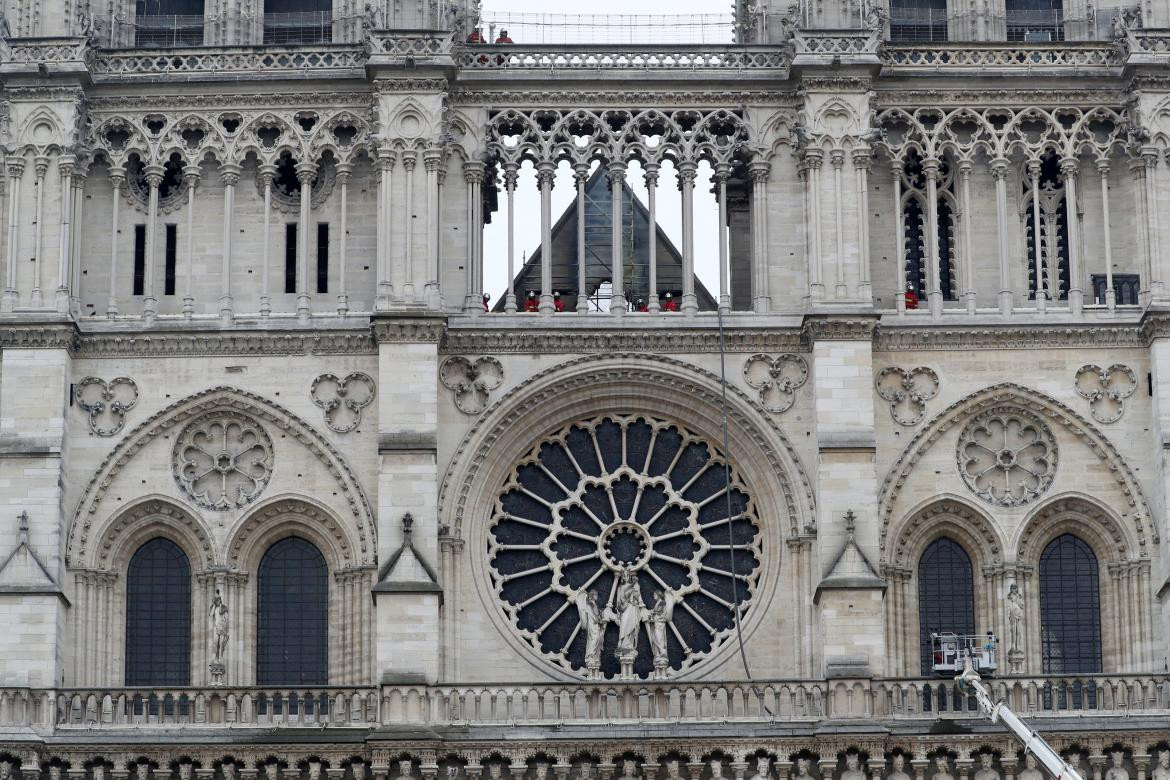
[(803, 769), (898, 768), (141, 771), (763, 768), (314, 770), (218, 617), (372, 18), (1162, 770), (986, 771), (229, 770), (942, 769), (6, 770), (585, 772), (658, 618), (716, 769), (852, 768), (629, 613), (1030, 770), (406, 768), (629, 770), (495, 770), (540, 771), (452, 772), (672, 769), (1015, 616), (593, 621), (185, 770), (1117, 770)]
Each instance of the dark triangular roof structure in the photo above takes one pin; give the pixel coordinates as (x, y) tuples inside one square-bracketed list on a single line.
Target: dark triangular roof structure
[(599, 252), (407, 571)]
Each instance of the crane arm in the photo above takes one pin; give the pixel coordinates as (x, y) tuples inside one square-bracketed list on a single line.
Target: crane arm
[(970, 681)]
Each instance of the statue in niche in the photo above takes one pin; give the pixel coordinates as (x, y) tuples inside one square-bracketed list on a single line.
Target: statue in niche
[(217, 619), (314, 770), (1015, 616), (716, 769), (1031, 770), (803, 769), (229, 770), (585, 771), (763, 768), (986, 771), (141, 771), (853, 769), (898, 768), (185, 770), (942, 768), (1117, 770), (1162, 770), (6, 770), (593, 620), (452, 772), (495, 770), (629, 770), (540, 771), (657, 619), (672, 769), (405, 768), (629, 613)]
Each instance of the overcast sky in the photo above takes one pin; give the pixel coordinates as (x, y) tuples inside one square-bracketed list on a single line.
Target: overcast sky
[(573, 28)]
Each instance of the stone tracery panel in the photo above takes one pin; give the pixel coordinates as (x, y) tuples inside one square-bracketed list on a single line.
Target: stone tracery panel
[(223, 460), (616, 550), (1007, 456)]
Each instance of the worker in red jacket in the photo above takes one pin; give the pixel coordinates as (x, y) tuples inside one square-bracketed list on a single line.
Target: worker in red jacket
[(531, 303), (911, 297), (503, 37), (558, 304), (669, 304), (486, 298), (642, 307)]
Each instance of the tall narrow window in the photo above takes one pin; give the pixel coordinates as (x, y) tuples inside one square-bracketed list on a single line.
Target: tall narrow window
[(293, 607), (946, 595), (918, 20), (172, 255), (158, 615), (139, 259), (298, 21), (1070, 607), (323, 257), (1035, 21), (290, 258), (168, 23), (915, 223), (1053, 266)]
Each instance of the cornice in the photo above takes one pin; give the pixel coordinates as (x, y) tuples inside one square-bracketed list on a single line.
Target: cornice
[(916, 98), (234, 344), (853, 327), (575, 98), (674, 341), (1009, 336), (411, 85), (425, 329), (357, 100), (39, 336)]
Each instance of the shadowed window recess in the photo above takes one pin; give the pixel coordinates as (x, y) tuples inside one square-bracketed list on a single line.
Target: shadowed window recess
[(293, 607), (158, 615)]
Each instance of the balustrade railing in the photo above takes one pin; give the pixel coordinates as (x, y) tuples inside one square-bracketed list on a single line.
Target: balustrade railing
[(577, 703), (228, 59), (631, 57), (945, 56)]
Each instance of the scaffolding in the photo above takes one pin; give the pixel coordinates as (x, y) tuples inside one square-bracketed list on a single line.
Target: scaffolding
[(542, 28)]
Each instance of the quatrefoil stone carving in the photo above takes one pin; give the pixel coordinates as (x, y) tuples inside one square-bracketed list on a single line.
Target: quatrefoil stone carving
[(107, 402), (343, 399), (1106, 389), (472, 381), (907, 391), (776, 379)]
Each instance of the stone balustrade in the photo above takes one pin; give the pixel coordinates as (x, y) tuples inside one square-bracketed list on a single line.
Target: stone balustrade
[(765, 701), (1031, 56), (320, 59), (567, 57)]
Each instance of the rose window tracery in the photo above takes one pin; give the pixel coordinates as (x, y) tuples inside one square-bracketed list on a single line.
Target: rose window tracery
[(223, 460), (1007, 456), (621, 547)]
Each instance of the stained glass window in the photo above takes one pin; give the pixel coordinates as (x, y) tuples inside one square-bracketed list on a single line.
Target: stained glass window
[(946, 595), (293, 607), (158, 615), (1070, 607)]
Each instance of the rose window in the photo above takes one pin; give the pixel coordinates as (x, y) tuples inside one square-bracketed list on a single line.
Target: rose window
[(223, 460), (622, 547), (1007, 456)]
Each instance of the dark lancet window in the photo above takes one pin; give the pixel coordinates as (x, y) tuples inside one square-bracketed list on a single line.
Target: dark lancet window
[(293, 631), (946, 595), (167, 23), (915, 220), (1070, 607), (139, 259), (1053, 208), (290, 258), (158, 615)]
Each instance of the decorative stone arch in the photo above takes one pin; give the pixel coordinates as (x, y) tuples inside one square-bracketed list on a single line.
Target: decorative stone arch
[(1142, 531), (88, 522), (626, 384), (283, 516), (972, 529), (1081, 516), (145, 519)]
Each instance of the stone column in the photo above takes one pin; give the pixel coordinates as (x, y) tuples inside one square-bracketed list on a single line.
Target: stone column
[(650, 174), (267, 172), (900, 233), (117, 179), (154, 177), (80, 174), (386, 162), (229, 176), (40, 168), (687, 172), (15, 166), (344, 170), (861, 160), (433, 162), (409, 161), (1103, 175), (837, 160), (473, 172), (813, 159), (967, 210), (617, 181), (546, 172), (760, 171), (934, 293), (306, 173), (999, 169), (191, 175), (722, 172), (65, 165), (1071, 168), (1153, 217), (511, 177), (1137, 170)]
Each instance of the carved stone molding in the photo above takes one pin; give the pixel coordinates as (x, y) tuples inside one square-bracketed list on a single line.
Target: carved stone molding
[(348, 395), (107, 400), (674, 340), (574, 99), (38, 337), (471, 381), (1007, 456), (824, 328), (895, 339), (776, 379), (156, 512), (1105, 389), (354, 101), (223, 460), (225, 344), (907, 392), (412, 330)]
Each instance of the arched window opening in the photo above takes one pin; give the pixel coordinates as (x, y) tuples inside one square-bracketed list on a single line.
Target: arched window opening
[(1053, 268), (915, 227), (293, 607), (168, 23), (1035, 21), (946, 596), (918, 20), (298, 21), (1070, 607), (158, 616)]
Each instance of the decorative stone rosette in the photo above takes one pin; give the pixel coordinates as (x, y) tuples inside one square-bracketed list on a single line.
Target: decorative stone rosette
[(624, 495), (1007, 456), (223, 460)]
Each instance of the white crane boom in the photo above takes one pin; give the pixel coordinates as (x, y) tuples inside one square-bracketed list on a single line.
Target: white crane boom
[(998, 711)]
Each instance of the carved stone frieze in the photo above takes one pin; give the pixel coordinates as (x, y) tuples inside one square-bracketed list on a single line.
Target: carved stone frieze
[(821, 328), (409, 330), (674, 340), (471, 381), (225, 344), (1007, 456), (223, 460), (108, 401), (897, 339), (1105, 389), (776, 379), (38, 337), (907, 392), (352, 101), (575, 99), (343, 398)]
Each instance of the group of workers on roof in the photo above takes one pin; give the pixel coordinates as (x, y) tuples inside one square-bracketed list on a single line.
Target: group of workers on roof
[(532, 303)]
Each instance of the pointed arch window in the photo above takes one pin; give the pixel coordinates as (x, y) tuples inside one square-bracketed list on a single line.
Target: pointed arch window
[(1070, 607), (1050, 202), (292, 645), (158, 615), (918, 238), (946, 595)]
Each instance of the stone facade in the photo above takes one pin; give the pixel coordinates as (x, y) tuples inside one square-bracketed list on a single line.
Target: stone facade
[(943, 312)]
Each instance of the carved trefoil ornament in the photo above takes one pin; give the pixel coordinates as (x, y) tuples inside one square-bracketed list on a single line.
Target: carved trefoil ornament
[(907, 391), (776, 379), (343, 398), (106, 403), (1007, 456), (223, 460), (1106, 389), (471, 381)]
